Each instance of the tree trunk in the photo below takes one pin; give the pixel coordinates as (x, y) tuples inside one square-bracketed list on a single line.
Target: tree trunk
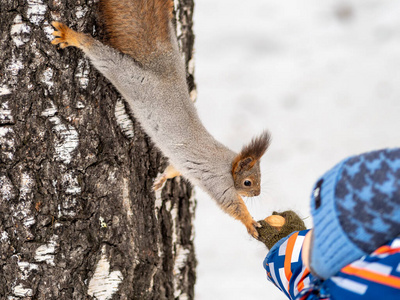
[(78, 217)]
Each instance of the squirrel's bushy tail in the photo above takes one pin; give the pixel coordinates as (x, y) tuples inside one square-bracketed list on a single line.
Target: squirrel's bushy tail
[(138, 27)]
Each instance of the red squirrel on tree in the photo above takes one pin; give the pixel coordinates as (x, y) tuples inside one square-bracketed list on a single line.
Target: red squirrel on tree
[(143, 62)]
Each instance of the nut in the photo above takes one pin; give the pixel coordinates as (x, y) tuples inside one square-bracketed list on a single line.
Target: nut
[(275, 221)]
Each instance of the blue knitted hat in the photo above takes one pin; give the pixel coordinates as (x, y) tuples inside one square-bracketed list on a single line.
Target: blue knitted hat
[(355, 208)]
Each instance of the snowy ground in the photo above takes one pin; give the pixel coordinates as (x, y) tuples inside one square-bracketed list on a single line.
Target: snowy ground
[(322, 76)]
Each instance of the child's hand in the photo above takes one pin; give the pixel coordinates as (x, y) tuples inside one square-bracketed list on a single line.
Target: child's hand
[(278, 226)]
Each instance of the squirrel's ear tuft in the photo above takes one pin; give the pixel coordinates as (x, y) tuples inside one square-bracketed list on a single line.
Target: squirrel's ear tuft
[(251, 153), (257, 146)]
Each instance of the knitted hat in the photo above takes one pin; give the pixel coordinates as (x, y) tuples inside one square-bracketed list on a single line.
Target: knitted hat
[(270, 235), (355, 208)]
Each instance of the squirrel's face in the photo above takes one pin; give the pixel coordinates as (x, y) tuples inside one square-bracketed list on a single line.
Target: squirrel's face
[(246, 166), (247, 182)]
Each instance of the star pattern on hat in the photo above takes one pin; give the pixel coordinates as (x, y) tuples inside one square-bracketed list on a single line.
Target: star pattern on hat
[(368, 196)]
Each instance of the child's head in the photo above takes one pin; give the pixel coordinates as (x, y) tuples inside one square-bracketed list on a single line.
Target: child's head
[(355, 208)]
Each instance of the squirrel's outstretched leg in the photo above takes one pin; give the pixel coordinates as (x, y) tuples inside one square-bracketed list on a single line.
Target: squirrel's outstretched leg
[(238, 210), (169, 172), (118, 68)]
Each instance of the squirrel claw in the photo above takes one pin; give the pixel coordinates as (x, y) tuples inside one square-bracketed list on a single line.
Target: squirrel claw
[(159, 183), (58, 41), (254, 233), (65, 36), (60, 34), (169, 173), (252, 229)]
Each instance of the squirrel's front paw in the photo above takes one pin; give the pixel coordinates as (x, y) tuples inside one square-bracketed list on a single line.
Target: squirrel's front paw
[(251, 229), (65, 36)]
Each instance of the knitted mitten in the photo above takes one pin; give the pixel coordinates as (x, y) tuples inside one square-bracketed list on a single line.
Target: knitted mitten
[(270, 234)]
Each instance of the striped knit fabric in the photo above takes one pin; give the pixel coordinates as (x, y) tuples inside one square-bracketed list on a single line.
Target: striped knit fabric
[(284, 266), (371, 277)]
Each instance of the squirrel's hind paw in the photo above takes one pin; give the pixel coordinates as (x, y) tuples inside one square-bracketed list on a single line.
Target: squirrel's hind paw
[(169, 172), (159, 183)]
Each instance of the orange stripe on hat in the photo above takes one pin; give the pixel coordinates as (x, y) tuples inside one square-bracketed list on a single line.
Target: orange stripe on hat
[(288, 255), (388, 280)]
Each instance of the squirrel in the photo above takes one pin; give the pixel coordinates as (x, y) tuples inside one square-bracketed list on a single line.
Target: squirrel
[(144, 63)]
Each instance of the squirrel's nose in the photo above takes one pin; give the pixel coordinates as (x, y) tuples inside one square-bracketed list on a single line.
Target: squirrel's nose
[(257, 192)]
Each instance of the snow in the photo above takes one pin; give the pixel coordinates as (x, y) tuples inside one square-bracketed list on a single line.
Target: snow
[(323, 77)]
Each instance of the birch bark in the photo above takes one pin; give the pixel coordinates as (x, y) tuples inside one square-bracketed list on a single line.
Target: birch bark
[(78, 217)]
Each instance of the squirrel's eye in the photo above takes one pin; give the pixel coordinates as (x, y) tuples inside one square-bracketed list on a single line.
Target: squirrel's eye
[(247, 183)]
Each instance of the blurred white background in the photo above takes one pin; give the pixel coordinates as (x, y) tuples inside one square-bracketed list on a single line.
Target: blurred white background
[(322, 76)]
